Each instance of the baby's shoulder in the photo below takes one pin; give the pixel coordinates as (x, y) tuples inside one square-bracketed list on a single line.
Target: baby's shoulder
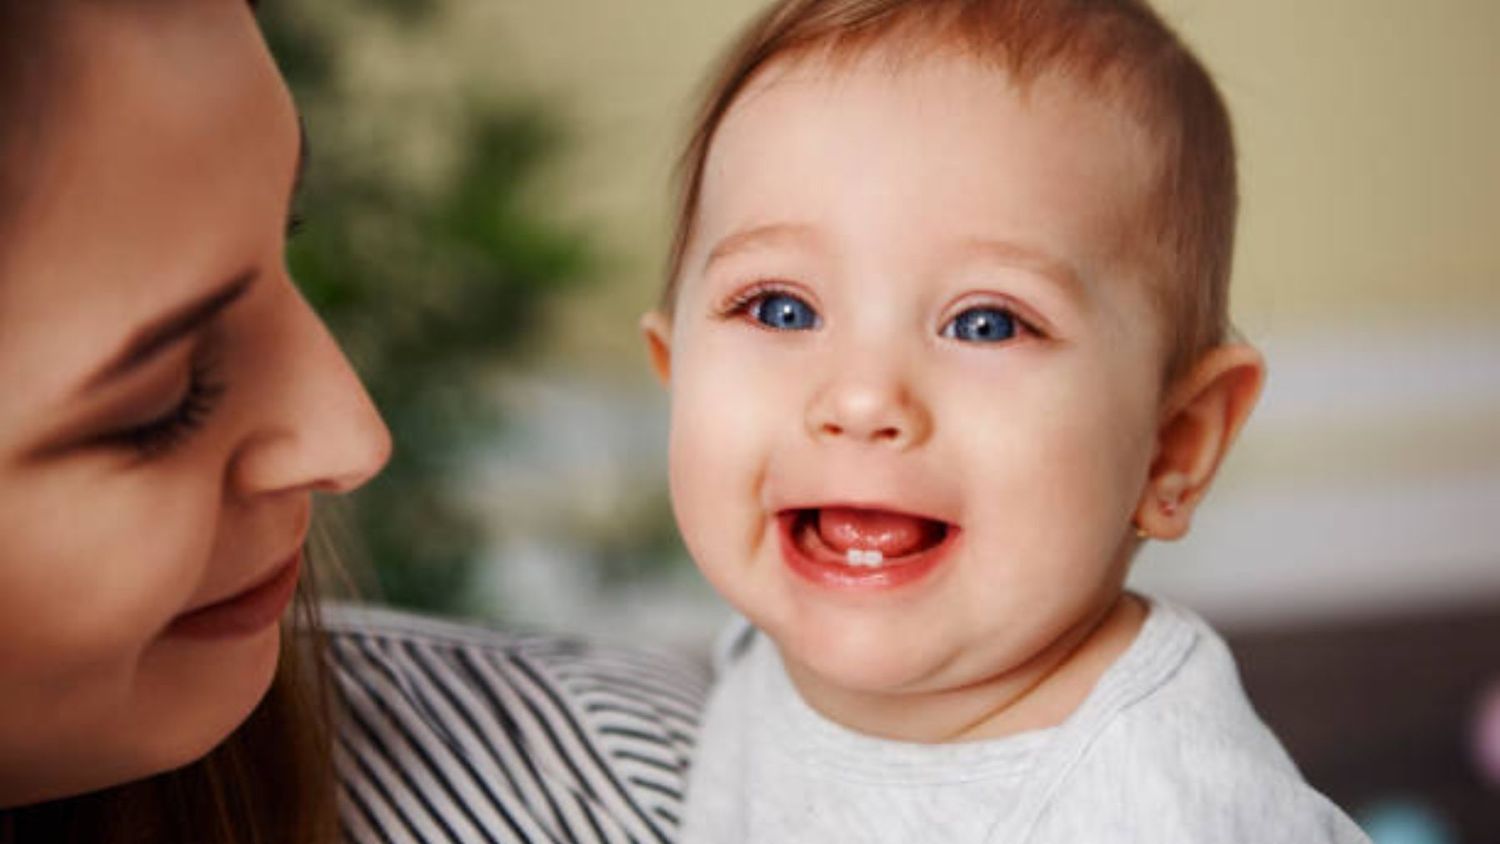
[(1188, 759), (1189, 784)]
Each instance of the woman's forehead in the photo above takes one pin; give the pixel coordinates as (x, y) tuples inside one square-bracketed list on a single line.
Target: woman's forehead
[(166, 163)]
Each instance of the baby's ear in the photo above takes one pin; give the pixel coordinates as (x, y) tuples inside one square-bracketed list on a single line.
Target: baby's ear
[(1204, 411), (656, 327)]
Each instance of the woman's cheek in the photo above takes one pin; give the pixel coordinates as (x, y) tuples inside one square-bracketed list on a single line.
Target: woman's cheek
[(131, 551)]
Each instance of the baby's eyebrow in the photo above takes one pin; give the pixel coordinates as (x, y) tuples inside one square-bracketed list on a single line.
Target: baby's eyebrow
[(1030, 258), (768, 234)]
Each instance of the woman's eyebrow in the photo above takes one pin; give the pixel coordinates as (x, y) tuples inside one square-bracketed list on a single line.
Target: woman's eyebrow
[(183, 320), (169, 328)]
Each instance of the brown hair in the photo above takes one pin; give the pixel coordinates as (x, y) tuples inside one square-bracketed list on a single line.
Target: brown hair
[(27, 46), (1119, 50), (271, 781)]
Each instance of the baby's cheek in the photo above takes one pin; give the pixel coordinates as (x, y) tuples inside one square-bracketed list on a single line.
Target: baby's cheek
[(723, 417), (703, 474)]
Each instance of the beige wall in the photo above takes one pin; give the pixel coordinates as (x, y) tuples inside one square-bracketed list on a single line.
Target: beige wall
[(624, 73), (1371, 153)]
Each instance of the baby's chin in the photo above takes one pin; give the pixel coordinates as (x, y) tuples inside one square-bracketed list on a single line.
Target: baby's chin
[(854, 662)]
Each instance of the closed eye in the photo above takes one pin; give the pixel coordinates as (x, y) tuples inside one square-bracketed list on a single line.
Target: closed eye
[(155, 437)]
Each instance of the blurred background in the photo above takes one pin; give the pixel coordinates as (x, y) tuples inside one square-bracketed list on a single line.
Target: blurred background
[(485, 217)]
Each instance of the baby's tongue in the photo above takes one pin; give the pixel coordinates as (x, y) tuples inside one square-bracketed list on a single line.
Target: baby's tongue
[(892, 534)]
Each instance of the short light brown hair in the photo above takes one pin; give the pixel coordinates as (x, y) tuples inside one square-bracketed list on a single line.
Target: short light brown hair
[(1118, 50)]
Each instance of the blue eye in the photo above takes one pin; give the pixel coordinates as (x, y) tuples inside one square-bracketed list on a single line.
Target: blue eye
[(982, 325), (783, 312)]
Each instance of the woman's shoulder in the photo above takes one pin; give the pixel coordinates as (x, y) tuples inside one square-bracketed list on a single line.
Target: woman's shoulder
[(476, 655), (452, 730)]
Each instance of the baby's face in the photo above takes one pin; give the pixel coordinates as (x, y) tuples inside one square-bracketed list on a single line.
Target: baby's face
[(914, 385)]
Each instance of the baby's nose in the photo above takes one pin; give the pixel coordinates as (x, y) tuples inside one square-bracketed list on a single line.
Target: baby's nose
[(868, 410)]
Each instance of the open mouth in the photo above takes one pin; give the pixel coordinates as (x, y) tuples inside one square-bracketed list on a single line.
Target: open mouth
[(862, 546)]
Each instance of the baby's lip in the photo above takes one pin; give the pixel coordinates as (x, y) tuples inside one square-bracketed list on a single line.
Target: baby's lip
[(895, 531), (872, 506), (868, 564)]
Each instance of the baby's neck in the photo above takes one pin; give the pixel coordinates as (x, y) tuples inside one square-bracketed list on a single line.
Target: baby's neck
[(1039, 693)]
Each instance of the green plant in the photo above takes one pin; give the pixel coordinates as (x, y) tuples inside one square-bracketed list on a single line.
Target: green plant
[(431, 284)]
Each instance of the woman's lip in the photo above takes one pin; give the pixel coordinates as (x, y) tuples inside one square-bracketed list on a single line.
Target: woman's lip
[(835, 574), (248, 612)]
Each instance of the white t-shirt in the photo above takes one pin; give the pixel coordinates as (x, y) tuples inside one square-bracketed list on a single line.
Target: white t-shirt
[(1166, 748)]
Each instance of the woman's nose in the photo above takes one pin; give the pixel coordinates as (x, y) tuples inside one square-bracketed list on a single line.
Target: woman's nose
[(321, 432), (876, 408)]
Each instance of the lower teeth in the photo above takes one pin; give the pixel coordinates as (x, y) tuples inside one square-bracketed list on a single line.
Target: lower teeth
[(864, 559)]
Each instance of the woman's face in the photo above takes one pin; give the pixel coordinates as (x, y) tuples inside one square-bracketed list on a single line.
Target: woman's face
[(169, 401)]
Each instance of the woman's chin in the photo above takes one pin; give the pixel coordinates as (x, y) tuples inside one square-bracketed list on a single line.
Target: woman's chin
[(195, 694)]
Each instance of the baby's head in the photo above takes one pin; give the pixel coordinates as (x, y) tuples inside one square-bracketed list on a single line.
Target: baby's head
[(945, 330)]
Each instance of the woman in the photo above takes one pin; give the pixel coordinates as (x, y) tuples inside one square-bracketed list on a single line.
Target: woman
[(170, 405)]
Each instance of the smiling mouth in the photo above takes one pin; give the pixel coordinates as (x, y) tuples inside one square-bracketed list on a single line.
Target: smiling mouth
[(863, 547), (247, 612)]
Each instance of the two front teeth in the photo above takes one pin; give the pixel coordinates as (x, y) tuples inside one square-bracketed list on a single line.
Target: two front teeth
[(864, 559)]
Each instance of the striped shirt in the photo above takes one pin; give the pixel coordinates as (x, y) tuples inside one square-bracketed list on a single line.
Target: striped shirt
[(453, 733)]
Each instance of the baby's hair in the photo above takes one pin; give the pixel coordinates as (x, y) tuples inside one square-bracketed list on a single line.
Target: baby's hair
[(1117, 50)]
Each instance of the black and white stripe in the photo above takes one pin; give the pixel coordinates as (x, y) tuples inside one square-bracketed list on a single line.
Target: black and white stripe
[(450, 733)]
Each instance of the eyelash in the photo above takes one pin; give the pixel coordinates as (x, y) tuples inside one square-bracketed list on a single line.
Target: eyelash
[(161, 435), (1025, 327), (740, 304), (167, 432)]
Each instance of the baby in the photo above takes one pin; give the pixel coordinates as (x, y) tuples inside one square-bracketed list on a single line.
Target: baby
[(946, 340)]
